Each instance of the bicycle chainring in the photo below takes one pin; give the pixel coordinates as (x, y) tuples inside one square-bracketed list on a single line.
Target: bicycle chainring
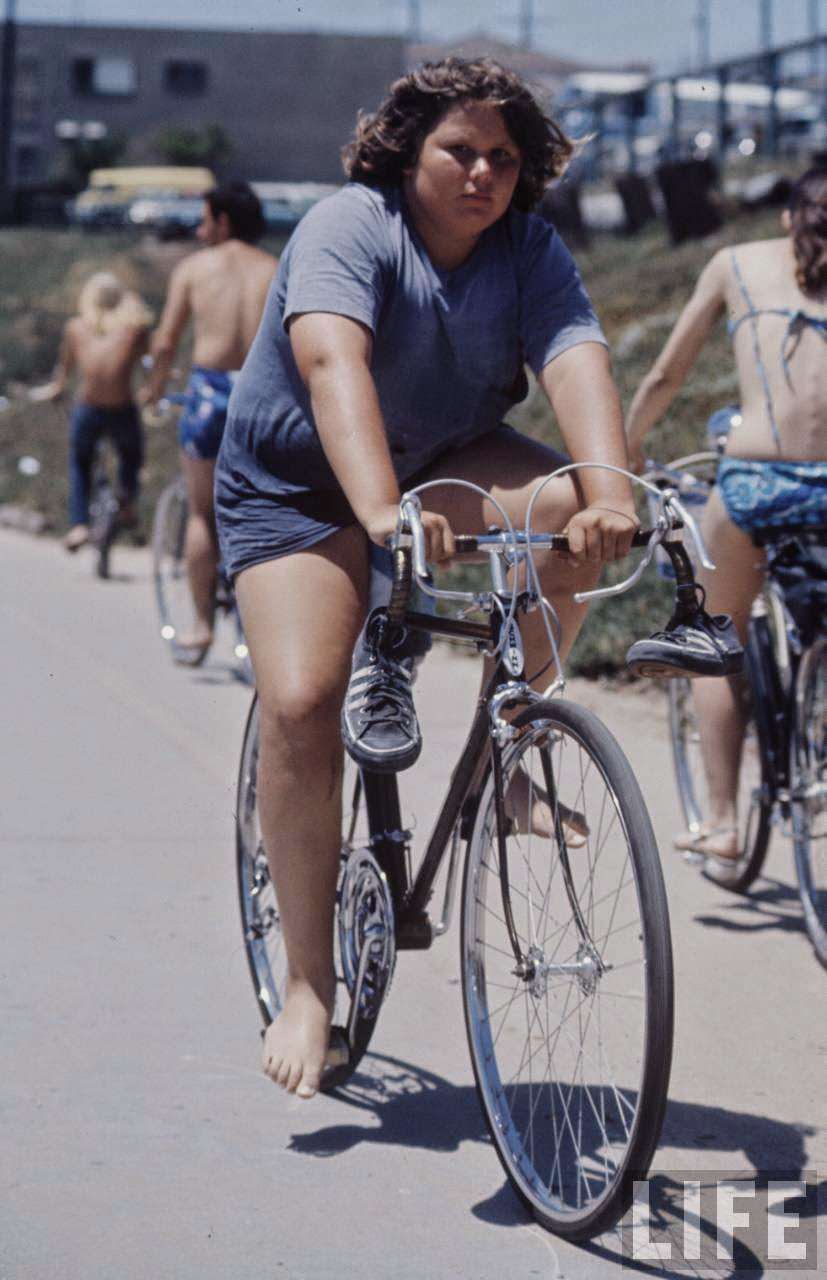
[(366, 918)]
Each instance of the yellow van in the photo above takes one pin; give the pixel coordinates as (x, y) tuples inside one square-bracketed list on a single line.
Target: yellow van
[(111, 192)]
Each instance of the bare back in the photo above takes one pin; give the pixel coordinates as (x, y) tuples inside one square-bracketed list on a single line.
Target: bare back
[(794, 360), (105, 362), (227, 285)]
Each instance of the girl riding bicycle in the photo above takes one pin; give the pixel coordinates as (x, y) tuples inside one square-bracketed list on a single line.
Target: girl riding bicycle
[(774, 472), (391, 347)]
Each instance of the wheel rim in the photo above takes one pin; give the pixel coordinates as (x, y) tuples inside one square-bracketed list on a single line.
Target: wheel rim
[(171, 582), (560, 1060), (809, 791), (261, 923)]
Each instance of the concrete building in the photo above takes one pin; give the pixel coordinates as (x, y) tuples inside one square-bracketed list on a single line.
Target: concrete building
[(287, 101)]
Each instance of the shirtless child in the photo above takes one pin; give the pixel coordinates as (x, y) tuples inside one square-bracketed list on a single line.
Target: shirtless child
[(222, 288), (103, 344)]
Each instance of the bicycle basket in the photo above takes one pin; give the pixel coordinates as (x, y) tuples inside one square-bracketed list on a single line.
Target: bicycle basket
[(798, 564)]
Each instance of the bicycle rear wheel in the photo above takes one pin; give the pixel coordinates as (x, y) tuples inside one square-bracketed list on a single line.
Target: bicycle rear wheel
[(172, 593), (364, 913), (808, 792), (754, 805), (572, 1053)]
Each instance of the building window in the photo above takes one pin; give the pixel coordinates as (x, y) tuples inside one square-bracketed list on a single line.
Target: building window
[(27, 163), (108, 77), (185, 77), (27, 93)]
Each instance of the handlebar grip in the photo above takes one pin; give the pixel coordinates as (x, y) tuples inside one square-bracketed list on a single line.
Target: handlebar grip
[(401, 587)]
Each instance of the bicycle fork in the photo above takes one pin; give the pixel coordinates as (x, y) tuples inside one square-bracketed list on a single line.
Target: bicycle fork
[(533, 967)]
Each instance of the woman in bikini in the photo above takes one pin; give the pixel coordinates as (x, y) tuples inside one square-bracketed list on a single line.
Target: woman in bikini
[(392, 345), (774, 472)]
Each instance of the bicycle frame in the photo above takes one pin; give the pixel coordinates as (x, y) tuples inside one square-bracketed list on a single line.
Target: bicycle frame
[(772, 659), (499, 638), (390, 844)]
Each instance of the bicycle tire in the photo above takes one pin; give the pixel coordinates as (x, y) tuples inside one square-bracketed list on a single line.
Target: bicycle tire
[(263, 943), (808, 792), (576, 1178), (755, 802), (104, 513), (169, 570)]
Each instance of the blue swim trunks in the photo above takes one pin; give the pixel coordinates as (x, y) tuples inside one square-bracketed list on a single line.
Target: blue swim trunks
[(769, 495), (201, 425)]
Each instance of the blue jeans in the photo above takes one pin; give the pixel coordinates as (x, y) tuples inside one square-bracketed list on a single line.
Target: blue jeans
[(88, 425)]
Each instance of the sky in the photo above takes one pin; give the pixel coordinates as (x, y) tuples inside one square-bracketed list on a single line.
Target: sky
[(662, 32)]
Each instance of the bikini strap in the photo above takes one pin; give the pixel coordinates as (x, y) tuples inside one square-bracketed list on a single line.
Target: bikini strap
[(752, 315), (799, 321)]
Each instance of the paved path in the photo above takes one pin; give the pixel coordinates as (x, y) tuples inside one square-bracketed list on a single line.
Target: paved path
[(137, 1136)]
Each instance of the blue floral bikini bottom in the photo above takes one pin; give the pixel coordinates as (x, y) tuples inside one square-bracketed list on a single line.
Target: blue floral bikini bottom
[(766, 495)]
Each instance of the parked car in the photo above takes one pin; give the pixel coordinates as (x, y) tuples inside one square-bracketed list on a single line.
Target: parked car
[(111, 193), (169, 216), (285, 203)]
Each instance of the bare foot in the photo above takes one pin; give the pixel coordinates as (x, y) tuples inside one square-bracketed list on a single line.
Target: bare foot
[(540, 820), (296, 1044), (198, 638), (710, 842), (77, 537)]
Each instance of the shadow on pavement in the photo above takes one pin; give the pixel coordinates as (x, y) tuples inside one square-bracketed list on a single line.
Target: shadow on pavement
[(401, 1104), (773, 905)]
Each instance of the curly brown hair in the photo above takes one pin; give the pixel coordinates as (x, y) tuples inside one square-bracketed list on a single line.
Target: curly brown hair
[(388, 142), (808, 218)]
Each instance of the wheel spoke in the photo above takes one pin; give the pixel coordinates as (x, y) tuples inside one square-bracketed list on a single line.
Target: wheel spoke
[(559, 1055)]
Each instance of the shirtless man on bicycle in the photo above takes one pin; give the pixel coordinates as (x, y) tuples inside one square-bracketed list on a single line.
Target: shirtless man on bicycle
[(222, 289), (102, 345)]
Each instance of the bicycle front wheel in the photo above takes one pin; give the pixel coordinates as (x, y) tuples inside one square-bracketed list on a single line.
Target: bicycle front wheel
[(571, 1048), (754, 806), (808, 792), (172, 593)]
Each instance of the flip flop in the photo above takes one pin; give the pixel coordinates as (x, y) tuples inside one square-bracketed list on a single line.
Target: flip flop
[(715, 866)]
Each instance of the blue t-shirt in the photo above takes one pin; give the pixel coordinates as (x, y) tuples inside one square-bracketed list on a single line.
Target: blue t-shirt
[(448, 346)]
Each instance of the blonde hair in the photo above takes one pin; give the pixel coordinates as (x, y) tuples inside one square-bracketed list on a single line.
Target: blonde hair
[(105, 304)]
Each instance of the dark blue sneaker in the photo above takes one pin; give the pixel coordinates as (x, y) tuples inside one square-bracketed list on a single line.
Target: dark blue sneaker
[(379, 725), (697, 644)]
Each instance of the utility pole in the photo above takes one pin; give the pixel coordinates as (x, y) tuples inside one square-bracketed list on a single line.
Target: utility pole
[(766, 25), (702, 29), (414, 22), (527, 24), (814, 25), (813, 13), (8, 63)]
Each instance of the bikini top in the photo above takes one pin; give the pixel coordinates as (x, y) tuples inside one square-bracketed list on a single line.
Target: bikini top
[(799, 320)]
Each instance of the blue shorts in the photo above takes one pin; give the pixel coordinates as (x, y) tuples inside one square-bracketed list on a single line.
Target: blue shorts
[(769, 495), (201, 425), (254, 527)]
